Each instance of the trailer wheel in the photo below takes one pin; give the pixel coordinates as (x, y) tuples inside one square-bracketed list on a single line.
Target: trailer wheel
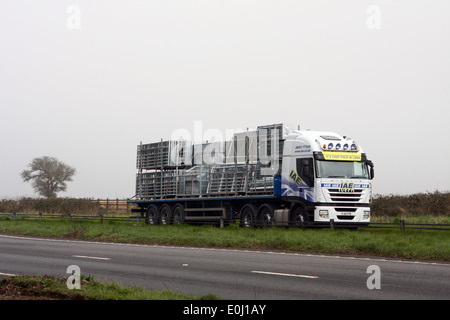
[(178, 214), (165, 214), (152, 216), (298, 217), (248, 216)]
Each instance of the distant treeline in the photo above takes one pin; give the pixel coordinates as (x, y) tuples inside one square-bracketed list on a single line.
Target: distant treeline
[(418, 204), (51, 205)]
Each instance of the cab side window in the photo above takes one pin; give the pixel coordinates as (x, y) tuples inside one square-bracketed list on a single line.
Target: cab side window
[(305, 169)]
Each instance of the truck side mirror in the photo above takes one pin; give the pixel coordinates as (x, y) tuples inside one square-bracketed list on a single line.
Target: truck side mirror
[(372, 171)]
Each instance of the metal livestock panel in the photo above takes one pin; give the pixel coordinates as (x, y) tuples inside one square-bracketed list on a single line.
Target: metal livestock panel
[(220, 180), (164, 154), (171, 183)]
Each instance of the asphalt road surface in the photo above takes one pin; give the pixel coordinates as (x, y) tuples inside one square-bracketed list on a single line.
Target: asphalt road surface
[(230, 274)]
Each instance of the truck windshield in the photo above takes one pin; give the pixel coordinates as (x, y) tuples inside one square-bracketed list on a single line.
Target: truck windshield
[(341, 169)]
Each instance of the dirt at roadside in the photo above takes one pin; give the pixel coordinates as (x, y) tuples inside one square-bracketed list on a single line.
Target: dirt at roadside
[(12, 290)]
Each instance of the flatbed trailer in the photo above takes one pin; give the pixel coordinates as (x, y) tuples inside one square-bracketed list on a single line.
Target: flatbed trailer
[(217, 210)]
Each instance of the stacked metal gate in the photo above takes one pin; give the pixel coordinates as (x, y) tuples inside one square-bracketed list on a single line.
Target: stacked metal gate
[(172, 169), (164, 155), (171, 184)]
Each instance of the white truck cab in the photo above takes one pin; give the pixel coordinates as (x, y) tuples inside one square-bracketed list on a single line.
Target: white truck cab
[(329, 174)]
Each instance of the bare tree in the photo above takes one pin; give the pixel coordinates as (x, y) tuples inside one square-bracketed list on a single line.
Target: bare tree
[(48, 176)]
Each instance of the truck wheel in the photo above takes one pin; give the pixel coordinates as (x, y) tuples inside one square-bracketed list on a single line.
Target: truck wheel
[(178, 214), (265, 216), (165, 214), (152, 216), (248, 216), (298, 218)]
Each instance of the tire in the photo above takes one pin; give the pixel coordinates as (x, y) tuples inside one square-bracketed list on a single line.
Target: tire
[(248, 216), (265, 216), (165, 215), (178, 214), (152, 217), (298, 218)]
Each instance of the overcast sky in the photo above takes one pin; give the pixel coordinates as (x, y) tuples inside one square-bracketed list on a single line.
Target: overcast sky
[(85, 81)]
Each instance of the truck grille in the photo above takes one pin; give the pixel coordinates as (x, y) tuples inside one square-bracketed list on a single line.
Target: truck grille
[(338, 196)]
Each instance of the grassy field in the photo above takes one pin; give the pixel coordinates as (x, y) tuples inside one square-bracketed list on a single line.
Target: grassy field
[(409, 244), (40, 287)]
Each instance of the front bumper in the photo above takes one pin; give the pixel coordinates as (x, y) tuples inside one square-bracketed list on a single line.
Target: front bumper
[(342, 214)]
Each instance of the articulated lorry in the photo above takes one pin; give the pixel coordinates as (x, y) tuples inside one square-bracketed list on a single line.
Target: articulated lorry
[(272, 176)]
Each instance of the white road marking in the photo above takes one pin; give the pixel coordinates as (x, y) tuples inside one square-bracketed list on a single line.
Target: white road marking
[(88, 257), (286, 274), (7, 274)]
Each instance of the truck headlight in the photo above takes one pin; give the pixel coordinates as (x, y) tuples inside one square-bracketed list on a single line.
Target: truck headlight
[(366, 214), (323, 214)]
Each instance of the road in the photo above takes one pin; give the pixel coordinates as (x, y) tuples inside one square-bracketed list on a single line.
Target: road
[(230, 274)]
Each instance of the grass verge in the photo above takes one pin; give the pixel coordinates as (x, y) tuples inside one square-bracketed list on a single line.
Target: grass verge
[(44, 287)]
